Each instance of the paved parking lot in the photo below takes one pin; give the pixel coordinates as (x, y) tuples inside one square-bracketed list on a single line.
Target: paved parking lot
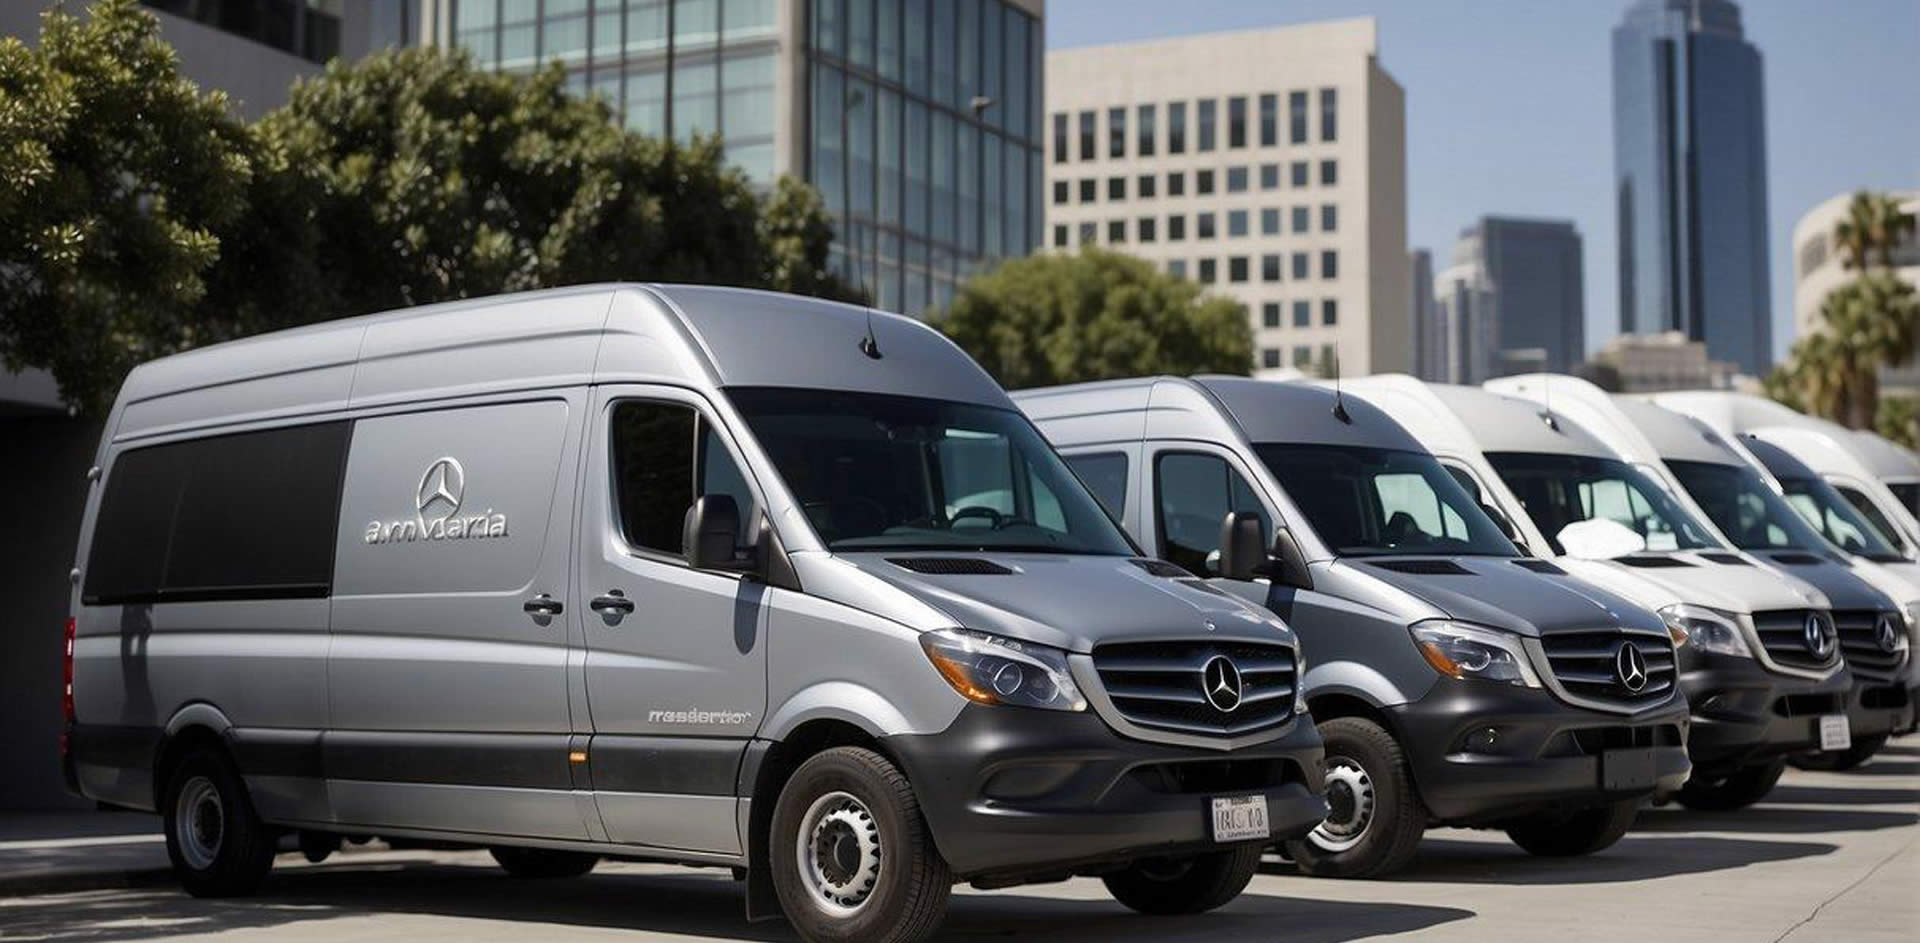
[(1830, 856)]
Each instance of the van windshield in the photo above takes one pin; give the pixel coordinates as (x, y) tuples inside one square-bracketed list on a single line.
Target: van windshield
[(1562, 490), (1739, 502), (1838, 520), (878, 472), (1365, 502)]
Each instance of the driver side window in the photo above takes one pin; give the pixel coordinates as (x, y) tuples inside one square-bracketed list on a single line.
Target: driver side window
[(664, 455), (1194, 492)]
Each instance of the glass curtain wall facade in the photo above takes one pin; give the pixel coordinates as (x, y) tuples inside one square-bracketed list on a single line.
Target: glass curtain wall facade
[(675, 68), (925, 140)]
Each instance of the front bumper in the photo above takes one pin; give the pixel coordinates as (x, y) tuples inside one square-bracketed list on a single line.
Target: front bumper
[(1879, 708), (1745, 714), (1544, 752), (1013, 794)]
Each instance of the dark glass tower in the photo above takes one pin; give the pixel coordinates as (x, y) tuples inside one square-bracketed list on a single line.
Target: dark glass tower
[(1690, 162)]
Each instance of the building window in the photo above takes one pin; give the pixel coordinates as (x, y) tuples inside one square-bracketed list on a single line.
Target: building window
[(1116, 231), (1329, 264), (1176, 228), (1209, 116), (1298, 173), (1237, 269), (1060, 235), (1237, 121), (1177, 268), (1269, 176), (1144, 227), (1270, 221), (1143, 186), (1089, 189), (1176, 127), (1269, 120), (1062, 193), (1059, 137), (1302, 219), (1302, 314), (1116, 132), (1236, 223), (1297, 117), (1300, 262), (1143, 134), (1088, 233), (1176, 183), (1329, 107), (1329, 173), (1204, 226), (1302, 356), (1116, 189), (1086, 135), (1203, 182), (1329, 217), (1270, 315), (1329, 312), (1270, 272), (1270, 357), (1209, 271), (1236, 179)]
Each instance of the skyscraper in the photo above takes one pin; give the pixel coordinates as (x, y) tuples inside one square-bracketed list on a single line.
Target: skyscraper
[(1691, 178), (1427, 349), (1510, 302)]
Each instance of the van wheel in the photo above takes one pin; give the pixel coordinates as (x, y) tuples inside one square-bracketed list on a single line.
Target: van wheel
[(1191, 885), (1570, 835), (851, 855), (1375, 820), (1862, 750), (217, 843), (538, 863), (1735, 790)]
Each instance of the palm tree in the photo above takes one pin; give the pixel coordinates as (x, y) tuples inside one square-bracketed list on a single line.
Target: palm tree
[(1874, 226), (1870, 324)]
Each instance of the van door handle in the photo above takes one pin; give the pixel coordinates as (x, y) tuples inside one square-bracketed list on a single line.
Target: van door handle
[(543, 605), (613, 601)]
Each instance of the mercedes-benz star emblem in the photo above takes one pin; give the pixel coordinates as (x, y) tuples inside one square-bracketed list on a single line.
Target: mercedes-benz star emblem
[(1819, 636), (1630, 667), (1220, 681), (1886, 632), (442, 487)]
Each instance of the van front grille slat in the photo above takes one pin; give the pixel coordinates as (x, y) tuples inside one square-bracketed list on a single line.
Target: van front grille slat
[(1162, 685), (1585, 664), (1860, 644), (1783, 633)]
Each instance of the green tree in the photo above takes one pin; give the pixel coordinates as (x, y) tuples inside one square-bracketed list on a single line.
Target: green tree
[(116, 175), (1899, 420), (1057, 318), (1874, 227)]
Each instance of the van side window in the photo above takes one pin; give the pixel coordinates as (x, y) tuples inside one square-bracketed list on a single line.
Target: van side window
[(1194, 492), (1105, 474), (1871, 512), (665, 455), (243, 516)]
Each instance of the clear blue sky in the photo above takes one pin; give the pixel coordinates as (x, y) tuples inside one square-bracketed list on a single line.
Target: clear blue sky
[(1509, 106)]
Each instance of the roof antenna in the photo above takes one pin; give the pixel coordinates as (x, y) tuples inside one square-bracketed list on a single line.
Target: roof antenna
[(868, 345), (1339, 401), (1546, 395)]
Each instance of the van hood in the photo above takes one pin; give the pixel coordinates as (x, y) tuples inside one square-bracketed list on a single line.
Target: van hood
[(1074, 602), (1840, 583), (1713, 580), (1502, 592)]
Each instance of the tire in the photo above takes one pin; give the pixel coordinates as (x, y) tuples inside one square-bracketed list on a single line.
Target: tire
[(543, 863), (1862, 750), (1192, 885), (1736, 790), (1570, 835), (1377, 818), (848, 812), (217, 843)]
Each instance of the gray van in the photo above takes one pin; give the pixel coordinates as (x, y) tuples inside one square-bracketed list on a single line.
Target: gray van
[(1455, 681), (694, 575)]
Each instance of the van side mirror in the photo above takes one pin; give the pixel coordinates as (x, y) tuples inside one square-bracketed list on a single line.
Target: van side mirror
[(1504, 525), (708, 535), (1243, 550), (1288, 563)]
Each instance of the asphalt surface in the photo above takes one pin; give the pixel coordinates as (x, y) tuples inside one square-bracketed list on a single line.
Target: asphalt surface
[(1829, 856)]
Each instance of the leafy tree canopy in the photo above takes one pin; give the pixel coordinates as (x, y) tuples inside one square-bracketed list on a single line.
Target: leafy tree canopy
[(1057, 318)]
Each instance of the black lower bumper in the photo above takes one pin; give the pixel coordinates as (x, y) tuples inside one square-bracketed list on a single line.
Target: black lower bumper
[(1879, 708), (1542, 752), (1011, 793), (1744, 714)]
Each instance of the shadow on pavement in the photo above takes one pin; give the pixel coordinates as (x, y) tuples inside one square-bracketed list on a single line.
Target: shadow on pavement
[(1882, 767), (1635, 858), (1770, 820), (692, 904), (1841, 795)]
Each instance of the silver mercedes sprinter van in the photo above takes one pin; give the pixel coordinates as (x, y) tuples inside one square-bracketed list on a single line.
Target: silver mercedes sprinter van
[(683, 574), (1456, 682)]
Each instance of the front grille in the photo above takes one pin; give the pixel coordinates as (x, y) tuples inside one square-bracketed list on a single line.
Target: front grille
[(1163, 684), (1587, 664), (1783, 634), (1860, 643)]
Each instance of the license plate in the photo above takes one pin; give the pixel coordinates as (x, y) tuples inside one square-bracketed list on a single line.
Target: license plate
[(1626, 770), (1240, 818), (1834, 732)]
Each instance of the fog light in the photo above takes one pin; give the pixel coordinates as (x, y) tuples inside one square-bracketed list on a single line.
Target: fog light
[(1484, 740)]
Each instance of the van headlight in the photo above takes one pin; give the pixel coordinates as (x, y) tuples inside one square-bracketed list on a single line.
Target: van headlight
[(1707, 630), (1474, 653), (991, 669)]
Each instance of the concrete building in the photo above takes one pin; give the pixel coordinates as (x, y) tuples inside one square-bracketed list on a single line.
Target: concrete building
[(919, 121), (1666, 361), (1268, 165), (1463, 321), (1690, 168), (1427, 350), (1818, 268)]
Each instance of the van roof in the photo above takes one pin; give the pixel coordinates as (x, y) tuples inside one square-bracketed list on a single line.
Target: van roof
[(1209, 407), (697, 336), (1298, 412), (1470, 419), (1635, 430)]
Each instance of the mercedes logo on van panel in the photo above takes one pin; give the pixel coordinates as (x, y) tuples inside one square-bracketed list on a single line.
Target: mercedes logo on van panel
[(436, 501), (1820, 637), (1630, 667), (1220, 681)]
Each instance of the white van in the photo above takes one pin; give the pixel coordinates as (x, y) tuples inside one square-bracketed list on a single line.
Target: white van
[(681, 574)]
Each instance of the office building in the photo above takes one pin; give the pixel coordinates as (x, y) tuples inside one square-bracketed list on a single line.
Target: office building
[(1654, 363), (919, 121), (1427, 350), (1268, 165), (1819, 268), (1463, 322), (1510, 302), (1690, 169)]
